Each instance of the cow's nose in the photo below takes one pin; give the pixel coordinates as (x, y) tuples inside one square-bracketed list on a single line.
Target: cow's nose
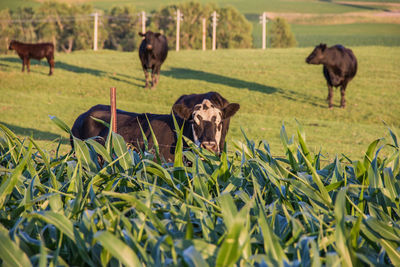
[(149, 47), (210, 145)]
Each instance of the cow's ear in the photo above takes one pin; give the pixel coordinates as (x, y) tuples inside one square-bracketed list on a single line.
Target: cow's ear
[(323, 46), (157, 34), (141, 34), (182, 111), (230, 110)]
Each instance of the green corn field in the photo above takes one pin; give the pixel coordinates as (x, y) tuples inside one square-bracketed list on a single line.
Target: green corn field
[(246, 208)]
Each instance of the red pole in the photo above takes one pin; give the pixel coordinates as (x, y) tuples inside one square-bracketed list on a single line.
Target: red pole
[(113, 100)]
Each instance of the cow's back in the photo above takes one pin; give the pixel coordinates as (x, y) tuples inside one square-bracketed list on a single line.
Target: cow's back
[(86, 127), (344, 59), (162, 125), (161, 49), (35, 51)]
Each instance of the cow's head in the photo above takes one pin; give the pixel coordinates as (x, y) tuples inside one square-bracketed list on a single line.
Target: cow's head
[(206, 120), (317, 55), (149, 39), (11, 46)]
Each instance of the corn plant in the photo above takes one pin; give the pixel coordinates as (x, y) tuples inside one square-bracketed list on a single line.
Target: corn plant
[(248, 208)]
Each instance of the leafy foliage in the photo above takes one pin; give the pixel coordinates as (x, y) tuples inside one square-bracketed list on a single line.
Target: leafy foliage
[(281, 34), (122, 27), (233, 29), (249, 208), (70, 27)]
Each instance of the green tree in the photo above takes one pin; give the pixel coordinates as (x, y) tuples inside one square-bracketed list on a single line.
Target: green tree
[(233, 29), (83, 27), (191, 24), (6, 30), (24, 28), (68, 27), (281, 34), (122, 25)]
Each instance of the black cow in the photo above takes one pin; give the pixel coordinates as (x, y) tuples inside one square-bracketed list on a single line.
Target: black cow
[(340, 66), (35, 51), (152, 53), (203, 124)]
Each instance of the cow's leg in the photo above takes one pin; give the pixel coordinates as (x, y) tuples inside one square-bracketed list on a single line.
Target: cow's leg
[(343, 96), (50, 60), (24, 62), (153, 77), (28, 65), (146, 76), (330, 96)]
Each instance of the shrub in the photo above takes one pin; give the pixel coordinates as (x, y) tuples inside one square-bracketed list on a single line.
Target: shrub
[(281, 34), (233, 30), (122, 27)]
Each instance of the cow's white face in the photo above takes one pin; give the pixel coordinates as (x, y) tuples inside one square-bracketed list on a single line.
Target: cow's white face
[(206, 120), (207, 125)]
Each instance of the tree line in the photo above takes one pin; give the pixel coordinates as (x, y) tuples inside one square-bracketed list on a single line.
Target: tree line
[(70, 27)]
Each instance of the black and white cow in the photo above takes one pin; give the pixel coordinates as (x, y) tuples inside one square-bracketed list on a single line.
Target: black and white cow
[(339, 68), (153, 51), (203, 124), (190, 101)]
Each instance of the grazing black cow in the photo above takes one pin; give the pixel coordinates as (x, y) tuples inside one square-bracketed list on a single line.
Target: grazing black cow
[(152, 53), (35, 51), (203, 124), (340, 66)]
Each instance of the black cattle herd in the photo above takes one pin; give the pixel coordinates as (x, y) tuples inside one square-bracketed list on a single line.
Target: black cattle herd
[(204, 117)]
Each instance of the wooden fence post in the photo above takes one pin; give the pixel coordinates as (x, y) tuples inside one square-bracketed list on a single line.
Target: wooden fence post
[(204, 34), (178, 26), (143, 22), (264, 29), (96, 18), (214, 35)]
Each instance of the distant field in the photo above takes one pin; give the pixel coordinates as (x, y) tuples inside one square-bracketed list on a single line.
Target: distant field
[(359, 34), (272, 86), (247, 7)]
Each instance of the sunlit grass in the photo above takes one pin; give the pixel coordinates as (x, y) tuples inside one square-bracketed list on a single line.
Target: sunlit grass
[(271, 86)]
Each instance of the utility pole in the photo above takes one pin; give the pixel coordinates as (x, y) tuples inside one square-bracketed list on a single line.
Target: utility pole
[(96, 18), (214, 34), (263, 21), (143, 22), (178, 28), (204, 34)]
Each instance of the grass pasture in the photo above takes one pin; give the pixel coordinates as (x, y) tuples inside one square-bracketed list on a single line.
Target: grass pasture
[(274, 86)]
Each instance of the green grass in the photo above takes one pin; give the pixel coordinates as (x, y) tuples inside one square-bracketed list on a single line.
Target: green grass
[(272, 87), (14, 4)]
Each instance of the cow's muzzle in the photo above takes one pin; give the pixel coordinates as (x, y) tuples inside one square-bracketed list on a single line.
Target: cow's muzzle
[(149, 47), (210, 145)]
